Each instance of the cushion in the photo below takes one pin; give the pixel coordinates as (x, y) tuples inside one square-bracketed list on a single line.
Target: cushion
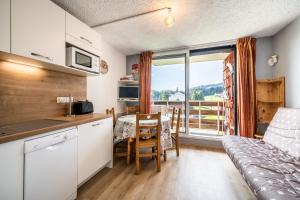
[(269, 172), (284, 131)]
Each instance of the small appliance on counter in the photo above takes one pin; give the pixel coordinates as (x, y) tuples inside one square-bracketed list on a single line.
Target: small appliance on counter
[(83, 107)]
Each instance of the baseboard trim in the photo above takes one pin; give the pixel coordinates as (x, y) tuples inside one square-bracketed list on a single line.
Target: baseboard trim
[(202, 141)]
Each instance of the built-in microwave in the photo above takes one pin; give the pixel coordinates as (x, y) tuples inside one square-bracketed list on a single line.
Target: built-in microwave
[(83, 60)]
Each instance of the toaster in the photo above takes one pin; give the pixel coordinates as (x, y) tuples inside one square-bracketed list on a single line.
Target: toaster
[(82, 107)]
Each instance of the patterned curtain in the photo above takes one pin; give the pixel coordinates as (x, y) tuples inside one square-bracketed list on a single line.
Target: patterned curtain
[(228, 76), (145, 81), (246, 51)]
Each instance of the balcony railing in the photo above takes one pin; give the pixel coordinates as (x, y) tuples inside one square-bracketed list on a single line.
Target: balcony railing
[(204, 116)]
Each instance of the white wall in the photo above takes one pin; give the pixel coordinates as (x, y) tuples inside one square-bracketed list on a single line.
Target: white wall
[(264, 49), (102, 90), (286, 44)]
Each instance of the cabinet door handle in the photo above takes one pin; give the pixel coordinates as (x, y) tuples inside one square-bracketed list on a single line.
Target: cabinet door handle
[(41, 56), (87, 40), (97, 124)]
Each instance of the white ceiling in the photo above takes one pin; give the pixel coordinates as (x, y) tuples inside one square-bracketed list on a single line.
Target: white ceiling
[(196, 21)]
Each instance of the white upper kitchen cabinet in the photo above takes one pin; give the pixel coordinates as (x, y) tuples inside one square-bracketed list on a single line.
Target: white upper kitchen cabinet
[(81, 35), (94, 147), (5, 25), (38, 30)]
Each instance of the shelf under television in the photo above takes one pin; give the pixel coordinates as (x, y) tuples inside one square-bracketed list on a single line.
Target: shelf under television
[(129, 100), (129, 82)]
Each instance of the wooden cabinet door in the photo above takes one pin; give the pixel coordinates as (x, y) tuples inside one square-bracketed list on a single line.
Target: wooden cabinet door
[(94, 147), (5, 25), (38, 30)]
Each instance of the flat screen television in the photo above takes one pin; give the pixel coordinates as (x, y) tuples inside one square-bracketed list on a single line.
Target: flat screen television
[(129, 92)]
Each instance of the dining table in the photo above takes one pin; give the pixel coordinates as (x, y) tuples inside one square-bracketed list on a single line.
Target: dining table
[(126, 128)]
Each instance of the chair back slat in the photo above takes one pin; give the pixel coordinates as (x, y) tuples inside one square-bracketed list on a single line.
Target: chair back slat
[(148, 126), (112, 112), (147, 135), (154, 116)]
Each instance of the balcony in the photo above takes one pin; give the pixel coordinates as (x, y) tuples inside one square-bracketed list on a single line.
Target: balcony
[(205, 117)]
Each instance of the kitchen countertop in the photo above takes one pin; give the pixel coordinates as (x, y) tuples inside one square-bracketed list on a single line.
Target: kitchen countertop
[(22, 130)]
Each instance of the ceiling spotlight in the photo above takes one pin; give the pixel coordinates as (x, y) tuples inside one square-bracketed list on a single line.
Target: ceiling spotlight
[(169, 20)]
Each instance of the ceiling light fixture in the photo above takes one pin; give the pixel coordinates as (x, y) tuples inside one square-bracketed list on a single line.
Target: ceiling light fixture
[(169, 20)]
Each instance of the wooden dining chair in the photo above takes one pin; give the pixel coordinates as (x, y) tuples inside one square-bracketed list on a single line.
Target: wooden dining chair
[(132, 110), (122, 148), (112, 112), (175, 126), (147, 136)]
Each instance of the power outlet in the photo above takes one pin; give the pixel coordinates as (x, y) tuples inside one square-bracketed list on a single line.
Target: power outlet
[(63, 99)]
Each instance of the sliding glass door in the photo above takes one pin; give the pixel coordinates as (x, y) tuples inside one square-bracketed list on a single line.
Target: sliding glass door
[(198, 82), (206, 102), (168, 89)]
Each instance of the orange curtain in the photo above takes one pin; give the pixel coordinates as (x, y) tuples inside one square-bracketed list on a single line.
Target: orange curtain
[(145, 81), (246, 56)]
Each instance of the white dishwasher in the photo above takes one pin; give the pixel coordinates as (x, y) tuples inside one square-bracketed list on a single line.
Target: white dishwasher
[(51, 166)]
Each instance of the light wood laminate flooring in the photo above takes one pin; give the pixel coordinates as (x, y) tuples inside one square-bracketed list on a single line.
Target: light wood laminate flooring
[(195, 174)]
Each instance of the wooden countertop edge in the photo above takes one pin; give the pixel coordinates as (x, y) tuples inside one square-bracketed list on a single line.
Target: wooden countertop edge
[(67, 124)]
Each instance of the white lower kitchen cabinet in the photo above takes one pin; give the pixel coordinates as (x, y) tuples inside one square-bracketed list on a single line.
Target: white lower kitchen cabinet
[(95, 148), (11, 170)]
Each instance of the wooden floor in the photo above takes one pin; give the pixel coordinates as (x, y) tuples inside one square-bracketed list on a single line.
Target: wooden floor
[(196, 174)]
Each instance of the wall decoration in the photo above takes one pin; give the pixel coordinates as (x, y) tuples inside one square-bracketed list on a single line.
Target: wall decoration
[(103, 67)]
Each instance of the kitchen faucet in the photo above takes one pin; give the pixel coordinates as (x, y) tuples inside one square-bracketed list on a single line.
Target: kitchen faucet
[(69, 113)]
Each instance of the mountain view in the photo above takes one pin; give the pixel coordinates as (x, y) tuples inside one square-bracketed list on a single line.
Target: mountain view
[(210, 92)]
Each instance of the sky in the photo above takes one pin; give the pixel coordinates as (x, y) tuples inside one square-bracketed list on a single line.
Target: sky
[(169, 77)]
